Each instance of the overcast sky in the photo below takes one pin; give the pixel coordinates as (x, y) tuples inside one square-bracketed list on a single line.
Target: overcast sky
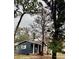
[(27, 19)]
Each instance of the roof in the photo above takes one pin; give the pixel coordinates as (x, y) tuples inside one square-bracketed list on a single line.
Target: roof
[(31, 41), (36, 42)]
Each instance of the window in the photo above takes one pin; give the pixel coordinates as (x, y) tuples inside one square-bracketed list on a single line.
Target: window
[(23, 46)]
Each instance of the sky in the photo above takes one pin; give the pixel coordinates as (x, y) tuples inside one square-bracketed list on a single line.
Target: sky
[(27, 19)]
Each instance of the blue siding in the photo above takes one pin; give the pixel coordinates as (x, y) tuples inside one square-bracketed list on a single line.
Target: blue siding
[(29, 48)]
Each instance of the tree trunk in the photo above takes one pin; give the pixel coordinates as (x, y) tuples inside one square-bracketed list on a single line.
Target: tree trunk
[(54, 55), (18, 24), (42, 38), (43, 23), (53, 9)]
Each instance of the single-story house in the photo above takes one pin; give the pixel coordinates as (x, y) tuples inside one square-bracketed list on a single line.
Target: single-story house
[(28, 47)]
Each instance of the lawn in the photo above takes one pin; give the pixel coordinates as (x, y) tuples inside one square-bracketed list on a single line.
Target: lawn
[(59, 56)]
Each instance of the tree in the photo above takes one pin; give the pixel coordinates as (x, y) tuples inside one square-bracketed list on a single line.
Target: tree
[(21, 35), (40, 25), (58, 16), (26, 6)]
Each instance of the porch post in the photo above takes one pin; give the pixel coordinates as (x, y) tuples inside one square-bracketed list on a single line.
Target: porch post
[(33, 48), (38, 48)]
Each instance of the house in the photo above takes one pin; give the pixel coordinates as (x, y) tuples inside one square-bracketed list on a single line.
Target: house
[(28, 47)]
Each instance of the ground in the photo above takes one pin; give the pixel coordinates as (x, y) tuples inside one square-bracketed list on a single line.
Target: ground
[(59, 56)]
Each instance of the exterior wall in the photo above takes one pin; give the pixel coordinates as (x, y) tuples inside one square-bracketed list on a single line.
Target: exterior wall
[(27, 48), (24, 48)]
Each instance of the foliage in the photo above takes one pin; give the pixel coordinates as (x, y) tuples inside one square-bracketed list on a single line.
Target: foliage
[(22, 36), (56, 46), (40, 22), (58, 27), (25, 6), (22, 7)]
